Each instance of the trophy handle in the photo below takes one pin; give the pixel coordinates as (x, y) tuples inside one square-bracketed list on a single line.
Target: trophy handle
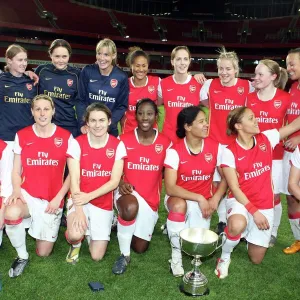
[(223, 242)]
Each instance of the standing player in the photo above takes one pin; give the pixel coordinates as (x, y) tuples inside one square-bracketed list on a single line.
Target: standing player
[(222, 95), (60, 81), (178, 91), (247, 167), (137, 200), (190, 165), (38, 187), (16, 93), (104, 82), (141, 85), (95, 161), (270, 104), (293, 68)]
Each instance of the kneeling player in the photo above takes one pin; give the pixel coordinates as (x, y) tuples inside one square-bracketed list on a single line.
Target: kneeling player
[(247, 167), (190, 166), (96, 164), (138, 196), (38, 187)]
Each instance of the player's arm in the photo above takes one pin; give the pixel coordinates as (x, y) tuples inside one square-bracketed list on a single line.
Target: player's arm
[(200, 78), (294, 180), (204, 93), (219, 194), (289, 129)]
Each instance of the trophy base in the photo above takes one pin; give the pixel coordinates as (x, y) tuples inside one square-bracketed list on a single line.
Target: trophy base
[(194, 294)]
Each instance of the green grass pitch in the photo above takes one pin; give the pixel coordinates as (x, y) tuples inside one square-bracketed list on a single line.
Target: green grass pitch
[(148, 275)]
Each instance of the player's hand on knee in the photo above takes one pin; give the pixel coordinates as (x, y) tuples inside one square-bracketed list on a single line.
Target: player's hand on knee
[(53, 206), (213, 204), (261, 221), (205, 208), (81, 198), (12, 199), (125, 188), (80, 222)]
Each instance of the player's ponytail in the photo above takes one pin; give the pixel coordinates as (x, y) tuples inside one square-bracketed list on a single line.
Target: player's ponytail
[(235, 116), (281, 73), (186, 117), (11, 52)]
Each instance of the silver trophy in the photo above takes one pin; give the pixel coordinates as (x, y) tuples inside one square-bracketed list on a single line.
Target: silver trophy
[(197, 242)]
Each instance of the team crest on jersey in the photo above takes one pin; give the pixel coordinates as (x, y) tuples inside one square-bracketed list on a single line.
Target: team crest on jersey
[(113, 83), (151, 89), (277, 104), (263, 147), (70, 82), (29, 86), (159, 148), (240, 90), (229, 211), (110, 152), (192, 88), (58, 142), (208, 157)]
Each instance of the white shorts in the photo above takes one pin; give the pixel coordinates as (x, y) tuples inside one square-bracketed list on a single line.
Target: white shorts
[(146, 218), (193, 218), (286, 167), (277, 176), (6, 170), (99, 220), (42, 226), (217, 176), (252, 234)]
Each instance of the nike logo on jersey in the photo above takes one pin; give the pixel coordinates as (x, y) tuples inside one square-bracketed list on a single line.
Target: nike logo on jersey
[(169, 90), (217, 92), (48, 78), (240, 158), (93, 80), (183, 162), (29, 144), (84, 154), (252, 104), (128, 148), (7, 86)]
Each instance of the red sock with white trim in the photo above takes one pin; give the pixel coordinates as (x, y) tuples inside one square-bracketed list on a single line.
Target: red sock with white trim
[(229, 244), (17, 235), (295, 225), (125, 233)]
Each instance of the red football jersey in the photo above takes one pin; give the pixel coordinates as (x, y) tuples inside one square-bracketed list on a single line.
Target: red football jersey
[(194, 172), (144, 165), (271, 114), (222, 100), (176, 97), (254, 168), (294, 110), (96, 166), (137, 93), (43, 161)]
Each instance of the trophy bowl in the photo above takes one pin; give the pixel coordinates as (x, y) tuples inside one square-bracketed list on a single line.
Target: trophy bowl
[(197, 242)]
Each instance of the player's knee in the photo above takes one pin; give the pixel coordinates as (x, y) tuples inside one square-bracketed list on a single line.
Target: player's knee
[(179, 206), (43, 252), (236, 226), (97, 256), (129, 212), (256, 260), (73, 236), (12, 213), (139, 249)]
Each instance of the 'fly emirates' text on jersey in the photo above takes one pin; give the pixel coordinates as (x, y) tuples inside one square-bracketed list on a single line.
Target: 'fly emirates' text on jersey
[(111, 90), (271, 114), (143, 166), (62, 87), (136, 93), (43, 161), (16, 94), (96, 165), (254, 168), (222, 100), (176, 97), (195, 171), (294, 110)]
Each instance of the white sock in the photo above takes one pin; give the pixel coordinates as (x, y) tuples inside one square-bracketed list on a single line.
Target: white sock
[(125, 234), (174, 229), (277, 218), (17, 236), (295, 226), (76, 245), (229, 245), (222, 211), (1, 236)]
